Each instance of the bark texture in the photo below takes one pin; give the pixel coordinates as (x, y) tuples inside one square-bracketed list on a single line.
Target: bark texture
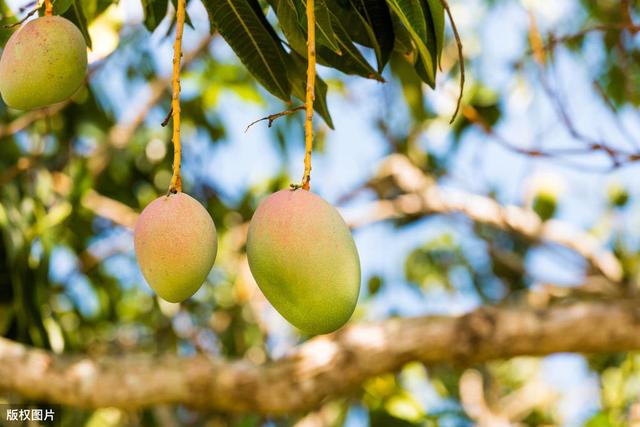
[(323, 367)]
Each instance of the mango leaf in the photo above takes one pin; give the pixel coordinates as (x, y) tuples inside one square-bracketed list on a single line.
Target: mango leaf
[(76, 15), (355, 26), (412, 15), (411, 86), (437, 20), (402, 43), (293, 21), (61, 6), (377, 20), (290, 24), (253, 43), (324, 26), (351, 61), (154, 12), (298, 78)]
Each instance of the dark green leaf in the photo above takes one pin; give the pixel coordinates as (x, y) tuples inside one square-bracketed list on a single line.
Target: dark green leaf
[(411, 86), (61, 6), (76, 15), (298, 79), (324, 29), (290, 24), (412, 15), (377, 19), (402, 43), (351, 61), (437, 19), (154, 12), (245, 32)]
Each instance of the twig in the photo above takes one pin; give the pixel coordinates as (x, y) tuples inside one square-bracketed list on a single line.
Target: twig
[(176, 181), (460, 57), (273, 117), (310, 95), (48, 8), (21, 21), (165, 122)]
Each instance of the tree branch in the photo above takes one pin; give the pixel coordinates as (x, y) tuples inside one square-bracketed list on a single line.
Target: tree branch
[(324, 367), (424, 197)]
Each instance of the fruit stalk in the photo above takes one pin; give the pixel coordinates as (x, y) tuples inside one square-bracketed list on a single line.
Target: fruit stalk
[(310, 95), (176, 181), (48, 8)]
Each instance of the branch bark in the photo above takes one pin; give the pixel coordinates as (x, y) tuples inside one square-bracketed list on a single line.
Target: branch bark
[(424, 197), (322, 368)]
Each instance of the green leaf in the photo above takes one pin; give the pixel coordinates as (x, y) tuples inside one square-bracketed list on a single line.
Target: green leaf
[(154, 12), (402, 43), (411, 86), (376, 18), (76, 15), (437, 20), (324, 27), (351, 61), (298, 79), (61, 6), (290, 24), (293, 21), (253, 43), (412, 15)]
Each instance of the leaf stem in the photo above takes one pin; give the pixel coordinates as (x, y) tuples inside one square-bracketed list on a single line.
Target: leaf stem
[(445, 5), (310, 96), (48, 8), (176, 181)]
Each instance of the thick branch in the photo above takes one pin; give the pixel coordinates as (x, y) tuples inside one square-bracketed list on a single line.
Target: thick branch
[(424, 197), (325, 366)]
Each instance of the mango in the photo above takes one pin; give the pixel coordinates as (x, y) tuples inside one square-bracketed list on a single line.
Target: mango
[(303, 258), (43, 63), (176, 244)]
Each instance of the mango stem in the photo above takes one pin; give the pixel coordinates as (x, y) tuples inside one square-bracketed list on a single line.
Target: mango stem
[(310, 93), (48, 8), (176, 181)]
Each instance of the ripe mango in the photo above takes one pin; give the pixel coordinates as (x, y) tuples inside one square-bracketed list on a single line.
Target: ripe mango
[(44, 62), (305, 261), (176, 244)]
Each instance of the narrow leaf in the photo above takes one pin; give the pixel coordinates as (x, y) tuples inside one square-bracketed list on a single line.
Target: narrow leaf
[(154, 12), (351, 61), (245, 32), (290, 25), (80, 20), (411, 14), (437, 19), (377, 20)]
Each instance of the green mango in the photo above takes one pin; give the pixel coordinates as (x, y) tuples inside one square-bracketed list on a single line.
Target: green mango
[(303, 257), (43, 63), (176, 244)]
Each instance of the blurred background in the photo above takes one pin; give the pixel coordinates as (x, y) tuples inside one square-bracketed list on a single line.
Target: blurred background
[(549, 122)]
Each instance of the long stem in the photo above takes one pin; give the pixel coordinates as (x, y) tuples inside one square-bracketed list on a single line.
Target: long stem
[(48, 8), (176, 180), (311, 83)]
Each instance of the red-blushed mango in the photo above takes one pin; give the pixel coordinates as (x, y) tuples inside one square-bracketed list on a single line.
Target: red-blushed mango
[(176, 244), (44, 62), (305, 261)]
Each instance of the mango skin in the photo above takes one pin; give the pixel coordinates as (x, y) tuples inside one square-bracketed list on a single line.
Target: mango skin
[(43, 63), (303, 257), (176, 244)]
